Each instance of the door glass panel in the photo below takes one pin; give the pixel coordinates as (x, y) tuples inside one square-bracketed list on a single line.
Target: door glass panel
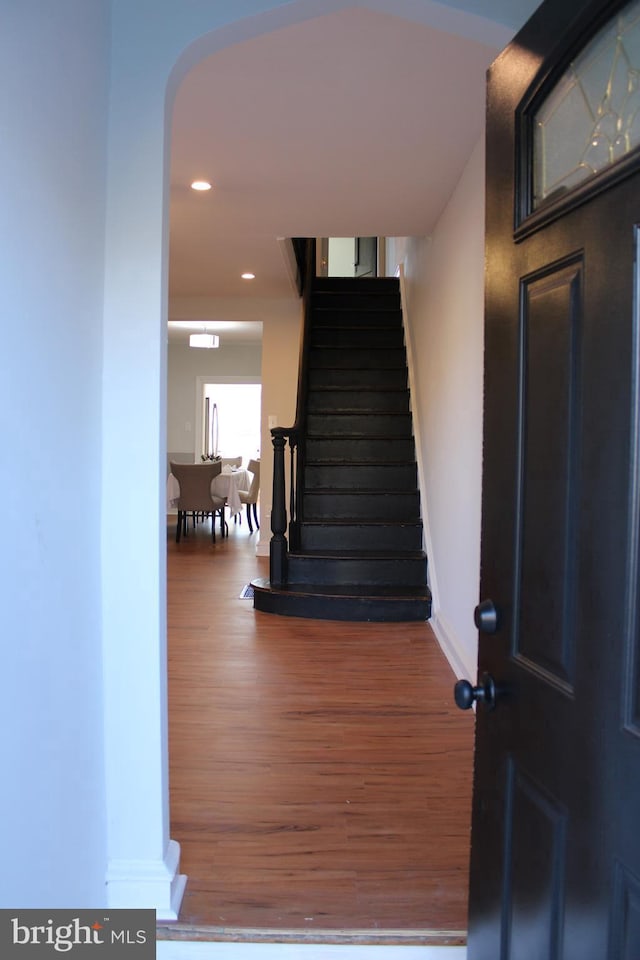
[(591, 118)]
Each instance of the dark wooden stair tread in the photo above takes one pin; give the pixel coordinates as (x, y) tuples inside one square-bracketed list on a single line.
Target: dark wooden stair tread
[(328, 462), (356, 411), (361, 554), (369, 346), (355, 521), (348, 388), (344, 590), (359, 492), (371, 437)]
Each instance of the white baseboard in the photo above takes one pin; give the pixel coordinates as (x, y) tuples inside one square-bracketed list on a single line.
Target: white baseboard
[(192, 950), (262, 548), (148, 884), (264, 536), (446, 638)]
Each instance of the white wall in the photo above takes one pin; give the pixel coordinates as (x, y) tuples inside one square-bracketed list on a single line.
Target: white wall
[(154, 42), (444, 290), (52, 168), (280, 356)]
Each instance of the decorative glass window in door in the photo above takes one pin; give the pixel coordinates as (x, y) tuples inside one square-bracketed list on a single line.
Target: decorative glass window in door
[(591, 118)]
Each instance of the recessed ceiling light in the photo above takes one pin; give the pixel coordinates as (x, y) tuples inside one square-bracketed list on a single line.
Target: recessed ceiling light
[(248, 276), (201, 185)]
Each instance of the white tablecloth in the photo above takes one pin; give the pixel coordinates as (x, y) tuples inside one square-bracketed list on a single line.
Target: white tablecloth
[(227, 485), (224, 485)]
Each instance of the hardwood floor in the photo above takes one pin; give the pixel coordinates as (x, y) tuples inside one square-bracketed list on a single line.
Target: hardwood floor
[(320, 773)]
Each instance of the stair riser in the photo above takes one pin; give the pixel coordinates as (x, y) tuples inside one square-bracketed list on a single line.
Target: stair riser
[(358, 476), (385, 450), (374, 303), (387, 401), (357, 338), (323, 357), (361, 536), (367, 285), (363, 425), (346, 572), (402, 507), (365, 379), (334, 316), (353, 609)]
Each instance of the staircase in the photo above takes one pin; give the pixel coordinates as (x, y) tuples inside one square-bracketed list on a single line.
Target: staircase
[(355, 550)]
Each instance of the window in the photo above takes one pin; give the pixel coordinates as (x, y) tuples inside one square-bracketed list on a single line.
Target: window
[(591, 118), (238, 415)]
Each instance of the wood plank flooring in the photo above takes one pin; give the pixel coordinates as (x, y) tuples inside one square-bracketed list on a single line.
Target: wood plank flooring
[(320, 773)]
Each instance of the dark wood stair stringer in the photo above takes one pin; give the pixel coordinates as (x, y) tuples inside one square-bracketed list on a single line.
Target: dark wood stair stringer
[(359, 551)]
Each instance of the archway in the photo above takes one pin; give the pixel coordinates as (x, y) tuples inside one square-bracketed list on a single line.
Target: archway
[(144, 863)]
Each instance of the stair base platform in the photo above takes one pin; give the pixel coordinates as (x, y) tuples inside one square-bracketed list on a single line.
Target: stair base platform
[(334, 602)]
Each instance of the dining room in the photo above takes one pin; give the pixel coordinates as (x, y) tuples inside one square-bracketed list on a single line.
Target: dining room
[(258, 350)]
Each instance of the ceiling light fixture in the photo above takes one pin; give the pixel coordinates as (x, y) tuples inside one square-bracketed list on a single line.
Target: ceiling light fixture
[(201, 185), (248, 276), (209, 341)]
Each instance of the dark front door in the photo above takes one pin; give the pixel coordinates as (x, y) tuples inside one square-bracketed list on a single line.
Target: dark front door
[(555, 864)]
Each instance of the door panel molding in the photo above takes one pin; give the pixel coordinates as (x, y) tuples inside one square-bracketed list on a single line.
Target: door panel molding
[(548, 431), (534, 897), (625, 914)]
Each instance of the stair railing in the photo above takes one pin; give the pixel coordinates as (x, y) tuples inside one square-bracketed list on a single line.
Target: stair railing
[(281, 517)]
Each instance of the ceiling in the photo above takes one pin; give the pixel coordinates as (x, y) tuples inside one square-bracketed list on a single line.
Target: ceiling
[(354, 123)]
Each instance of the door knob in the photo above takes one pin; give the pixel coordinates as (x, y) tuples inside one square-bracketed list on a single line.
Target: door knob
[(485, 617), (465, 694)]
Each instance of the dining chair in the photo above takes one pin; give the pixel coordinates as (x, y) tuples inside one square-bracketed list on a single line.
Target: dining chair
[(232, 462), (250, 496), (195, 495)]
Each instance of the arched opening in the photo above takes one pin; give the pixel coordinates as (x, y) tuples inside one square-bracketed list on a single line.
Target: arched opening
[(137, 838)]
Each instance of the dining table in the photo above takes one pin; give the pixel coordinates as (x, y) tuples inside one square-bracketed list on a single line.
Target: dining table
[(226, 484)]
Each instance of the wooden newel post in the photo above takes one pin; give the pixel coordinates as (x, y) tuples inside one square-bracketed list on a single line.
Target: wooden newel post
[(278, 546)]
